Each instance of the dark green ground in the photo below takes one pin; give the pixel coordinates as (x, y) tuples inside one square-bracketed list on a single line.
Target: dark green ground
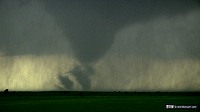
[(34, 102)]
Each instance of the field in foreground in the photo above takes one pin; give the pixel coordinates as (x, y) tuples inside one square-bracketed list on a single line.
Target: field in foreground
[(94, 102)]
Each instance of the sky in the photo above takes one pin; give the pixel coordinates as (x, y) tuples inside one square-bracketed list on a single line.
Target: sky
[(100, 45)]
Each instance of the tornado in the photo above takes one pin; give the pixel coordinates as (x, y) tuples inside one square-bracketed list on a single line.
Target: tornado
[(91, 26), (71, 43)]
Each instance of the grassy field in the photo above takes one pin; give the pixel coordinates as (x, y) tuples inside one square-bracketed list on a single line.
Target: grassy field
[(93, 103)]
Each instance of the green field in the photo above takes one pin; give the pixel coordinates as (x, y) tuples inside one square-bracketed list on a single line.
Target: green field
[(93, 103)]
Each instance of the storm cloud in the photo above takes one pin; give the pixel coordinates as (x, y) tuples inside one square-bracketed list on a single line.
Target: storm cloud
[(100, 45), (161, 54), (92, 24)]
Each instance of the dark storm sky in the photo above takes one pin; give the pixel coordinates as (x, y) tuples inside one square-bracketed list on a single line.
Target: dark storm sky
[(100, 44), (92, 24)]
